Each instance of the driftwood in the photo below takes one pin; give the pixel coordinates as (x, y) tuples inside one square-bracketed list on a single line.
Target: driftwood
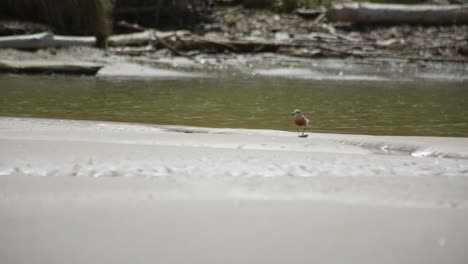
[(321, 45), (44, 40), (312, 45), (367, 13), (178, 41), (131, 39), (143, 38), (45, 66), (383, 43)]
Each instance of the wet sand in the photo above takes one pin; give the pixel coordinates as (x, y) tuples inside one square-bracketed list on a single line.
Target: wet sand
[(149, 231), (103, 192)]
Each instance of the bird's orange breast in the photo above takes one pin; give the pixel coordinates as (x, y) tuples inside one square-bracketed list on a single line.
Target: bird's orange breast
[(300, 121)]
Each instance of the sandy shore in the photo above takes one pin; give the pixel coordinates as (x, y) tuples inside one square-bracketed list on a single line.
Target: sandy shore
[(103, 192)]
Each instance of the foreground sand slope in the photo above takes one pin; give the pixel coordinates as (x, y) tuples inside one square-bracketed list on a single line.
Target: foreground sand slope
[(103, 192), (203, 163)]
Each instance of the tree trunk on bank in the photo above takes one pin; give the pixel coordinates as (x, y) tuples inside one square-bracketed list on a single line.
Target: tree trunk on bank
[(367, 13), (44, 40), (45, 66)]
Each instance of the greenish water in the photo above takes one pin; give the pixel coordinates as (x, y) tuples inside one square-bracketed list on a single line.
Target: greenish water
[(364, 107)]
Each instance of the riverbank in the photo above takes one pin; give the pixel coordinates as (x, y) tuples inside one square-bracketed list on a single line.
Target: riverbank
[(238, 40), (154, 66), (203, 163), (90, 191), (238, 30)]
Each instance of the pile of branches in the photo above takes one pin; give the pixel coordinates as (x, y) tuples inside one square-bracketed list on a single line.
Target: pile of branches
[(327, 34), (390, 42)]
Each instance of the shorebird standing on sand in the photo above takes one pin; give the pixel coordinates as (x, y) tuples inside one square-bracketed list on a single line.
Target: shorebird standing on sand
[(301, 122)]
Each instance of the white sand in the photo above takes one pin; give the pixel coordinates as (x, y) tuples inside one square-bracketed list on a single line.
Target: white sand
[(103, 192), (133, 70)]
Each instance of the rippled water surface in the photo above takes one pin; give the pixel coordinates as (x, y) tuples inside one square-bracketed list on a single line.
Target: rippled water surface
[(366, 107)]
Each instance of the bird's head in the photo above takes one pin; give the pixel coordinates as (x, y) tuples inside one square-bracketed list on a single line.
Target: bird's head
[(296, 112)]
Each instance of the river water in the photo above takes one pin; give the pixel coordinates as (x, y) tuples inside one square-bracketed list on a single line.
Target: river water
[(429, 107)]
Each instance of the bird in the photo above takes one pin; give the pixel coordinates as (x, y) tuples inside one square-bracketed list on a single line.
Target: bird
[(301, 122)]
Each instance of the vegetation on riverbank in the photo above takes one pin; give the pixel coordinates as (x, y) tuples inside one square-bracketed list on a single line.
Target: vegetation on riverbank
[(235, 28), (68, 17)]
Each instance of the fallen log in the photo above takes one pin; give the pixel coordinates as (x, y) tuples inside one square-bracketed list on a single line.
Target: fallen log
[(141, 38), (367, 13), (131, 39), (44, 40), (48, 67), (178, 41)]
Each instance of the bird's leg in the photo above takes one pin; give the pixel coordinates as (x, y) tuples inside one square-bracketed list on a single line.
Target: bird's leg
[(298, 132), (303, 131)]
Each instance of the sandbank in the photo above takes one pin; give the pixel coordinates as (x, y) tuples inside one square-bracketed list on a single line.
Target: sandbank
[(105, 192)]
